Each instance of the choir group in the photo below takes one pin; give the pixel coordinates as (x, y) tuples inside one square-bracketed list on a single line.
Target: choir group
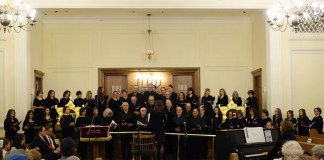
[(148, 110)]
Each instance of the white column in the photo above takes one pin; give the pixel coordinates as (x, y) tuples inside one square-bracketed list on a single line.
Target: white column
[(22, 74), (274, 70)]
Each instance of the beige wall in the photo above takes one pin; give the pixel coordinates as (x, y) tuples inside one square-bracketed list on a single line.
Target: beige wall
[(303, 66), (73, 52)]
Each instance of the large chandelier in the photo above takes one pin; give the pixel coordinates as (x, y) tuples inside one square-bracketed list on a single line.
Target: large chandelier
[(17, 15), (149, 40), (300, 15)]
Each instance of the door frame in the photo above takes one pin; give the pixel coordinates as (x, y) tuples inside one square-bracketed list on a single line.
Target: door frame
[(258, 73), (194, 71), (40, 75)]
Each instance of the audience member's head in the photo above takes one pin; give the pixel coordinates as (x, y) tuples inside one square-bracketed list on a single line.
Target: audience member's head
[(73, 158), (16, 156), (287, 128), (19, 141), (4, 144), (49, 131), (33, 154), (108, 113), (291, 150), (158, 106), (41, 131), (68, 147), (269, 125), (318, 151)]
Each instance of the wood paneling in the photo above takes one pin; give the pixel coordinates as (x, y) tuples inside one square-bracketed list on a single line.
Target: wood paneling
[(115, 83), (182, 82)]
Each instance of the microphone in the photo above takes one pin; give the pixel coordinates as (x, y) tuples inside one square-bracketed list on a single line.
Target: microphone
[(185, 128), (185, 124)]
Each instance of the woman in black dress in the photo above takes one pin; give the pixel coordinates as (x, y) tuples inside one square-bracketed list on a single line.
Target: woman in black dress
[(81, 121), (29, 127), (79, 101), (101, 100), (317, 121), (277, 118), (11, 125), (236, 98), (39, 106), (181, 101), (264, 119), (67, 123), (253, 119), (292, 119), (114, 104), (158, 127), (192, 98), (48, 119), (251, 102), (208, 102), (222, 99), (124, 96), (89, 103), (240, 120), (51, 102), (303, 123), (107, 120), (217, 120), (230, 122), (65, 100), (286, 133)]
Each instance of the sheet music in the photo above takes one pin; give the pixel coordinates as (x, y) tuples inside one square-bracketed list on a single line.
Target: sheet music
[(254, 134), (268, 135), (139, 123)]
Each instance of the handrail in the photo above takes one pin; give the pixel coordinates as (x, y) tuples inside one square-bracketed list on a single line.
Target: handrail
[(176, 134)]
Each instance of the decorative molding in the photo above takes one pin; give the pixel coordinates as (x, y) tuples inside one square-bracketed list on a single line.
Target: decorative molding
[(3, 101), (305, 36)]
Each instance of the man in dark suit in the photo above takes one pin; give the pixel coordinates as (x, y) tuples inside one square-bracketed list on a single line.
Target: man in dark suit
[(40, 143), (49, 139), (139, 97)]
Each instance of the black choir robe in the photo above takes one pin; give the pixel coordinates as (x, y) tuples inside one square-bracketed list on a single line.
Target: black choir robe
[(253, 121), (149, 108), (39, 113), (222, 101), (67, 130), (230, 123), (174, 96), (193, 100), (317, 123), (123, 99), (11, 128), (79, 102), (140, 98), (143, 120), (30, 132), (181, 103), (134, 107), (240, 123), (263, 122), (128, 118), (276, 121), (147, 94), (303, 126), (158, 125), (177, 122), (169, 114), (101, 102), (114, 105), (89, 105), (217, 123), (237, 101), (63, 102), (50, 103)]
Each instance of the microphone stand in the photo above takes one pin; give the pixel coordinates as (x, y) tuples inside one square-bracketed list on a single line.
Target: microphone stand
[(138, 141), (88, 134), (185, 140)]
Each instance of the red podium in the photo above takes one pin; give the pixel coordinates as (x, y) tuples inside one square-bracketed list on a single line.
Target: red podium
[(95, 135)]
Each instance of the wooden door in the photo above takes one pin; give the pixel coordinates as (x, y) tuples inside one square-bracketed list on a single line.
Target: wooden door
[(257, 86), (115, 83), (182, 82)]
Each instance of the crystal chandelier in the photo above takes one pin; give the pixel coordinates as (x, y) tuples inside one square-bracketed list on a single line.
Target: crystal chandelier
[(300, 15), (17, 15), (149, 40)]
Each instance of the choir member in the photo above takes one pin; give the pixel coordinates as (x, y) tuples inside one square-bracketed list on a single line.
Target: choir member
[(158, 122), (269, 125), (143, 120), (124, 96), (192, 98), (236, 98), (251, 102), (5, 147), (222, 99), (114, 104), (101, 100), (48, 120), (195, 126), (126, 123), (217, 120), (205, 129), (81, 121), (290, 117), (107, 120), (39, 107), (188, 112), (177, 121), (150, 104), (29, 127), (65, 100), (230, 122), (95, 119), (139, 96), (79, 101), (240, 120), (264, 118), (142, 92), (162, 92), (207, 100), (170, 113), (67, 123), (11, 125), (89, 103), (317, 121), (181, 101), (134, 105), (19, 142), (252, 120), (277, 118), (51, 102), (303, 123), (149, 93), (42, 146), (174, 96), (286, 133), (167, 96)]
